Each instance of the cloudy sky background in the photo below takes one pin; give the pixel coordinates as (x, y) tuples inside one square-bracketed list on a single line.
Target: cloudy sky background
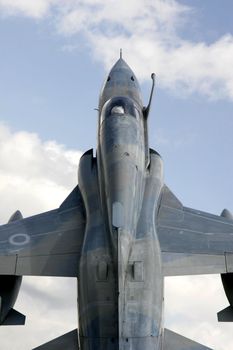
[(54, 55)]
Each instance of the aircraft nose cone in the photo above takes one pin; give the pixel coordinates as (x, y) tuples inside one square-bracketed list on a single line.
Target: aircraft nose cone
[(119, 65), (121, 81)]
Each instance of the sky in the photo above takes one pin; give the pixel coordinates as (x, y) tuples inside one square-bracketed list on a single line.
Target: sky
[(54, 56)]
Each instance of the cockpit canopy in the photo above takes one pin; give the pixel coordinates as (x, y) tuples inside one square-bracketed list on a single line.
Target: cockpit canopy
[(119, 106)]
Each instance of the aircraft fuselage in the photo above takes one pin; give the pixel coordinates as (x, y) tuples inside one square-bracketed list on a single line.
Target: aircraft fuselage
[(120, 278)]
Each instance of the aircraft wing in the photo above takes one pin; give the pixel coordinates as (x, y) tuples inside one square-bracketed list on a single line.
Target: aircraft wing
[(48, 244), (192, 241), (174, 341)]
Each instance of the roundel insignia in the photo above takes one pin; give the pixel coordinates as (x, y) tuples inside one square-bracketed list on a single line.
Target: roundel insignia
[(19, 239)]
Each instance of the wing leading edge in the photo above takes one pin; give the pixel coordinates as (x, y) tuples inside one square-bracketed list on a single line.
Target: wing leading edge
[(192, 241), (48, 244), (174, 341)]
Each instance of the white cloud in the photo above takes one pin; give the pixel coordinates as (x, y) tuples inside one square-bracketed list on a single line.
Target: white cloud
[(191, 306), (151, 44), (35, 176), (50, 308), (28, 8), (149, 33)]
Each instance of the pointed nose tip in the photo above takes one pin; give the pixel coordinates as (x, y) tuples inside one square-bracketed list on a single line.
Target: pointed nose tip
[(121, 81), (120, 64)]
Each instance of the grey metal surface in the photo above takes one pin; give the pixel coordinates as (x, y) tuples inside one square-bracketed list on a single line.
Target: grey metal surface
[(120, 232), (14, 318), (68, 341), (47, 244), (192, 241), (225, 315), (121, 81), (174, 341)]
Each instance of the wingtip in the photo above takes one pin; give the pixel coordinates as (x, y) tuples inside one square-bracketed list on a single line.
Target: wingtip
[(225, 315), (16, 216), (14, 318), (66, 341), (227, 214)]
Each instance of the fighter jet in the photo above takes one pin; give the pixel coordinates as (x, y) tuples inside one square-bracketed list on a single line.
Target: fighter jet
[(119, 232)]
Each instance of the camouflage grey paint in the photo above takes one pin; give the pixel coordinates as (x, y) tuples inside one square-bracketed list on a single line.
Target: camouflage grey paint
[(119, 232), (120, 303)]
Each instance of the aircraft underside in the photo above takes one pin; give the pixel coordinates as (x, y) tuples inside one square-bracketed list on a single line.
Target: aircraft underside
[(119, 232)]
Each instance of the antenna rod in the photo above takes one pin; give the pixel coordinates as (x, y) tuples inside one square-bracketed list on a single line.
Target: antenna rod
[(120, 53), (147, 109)]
